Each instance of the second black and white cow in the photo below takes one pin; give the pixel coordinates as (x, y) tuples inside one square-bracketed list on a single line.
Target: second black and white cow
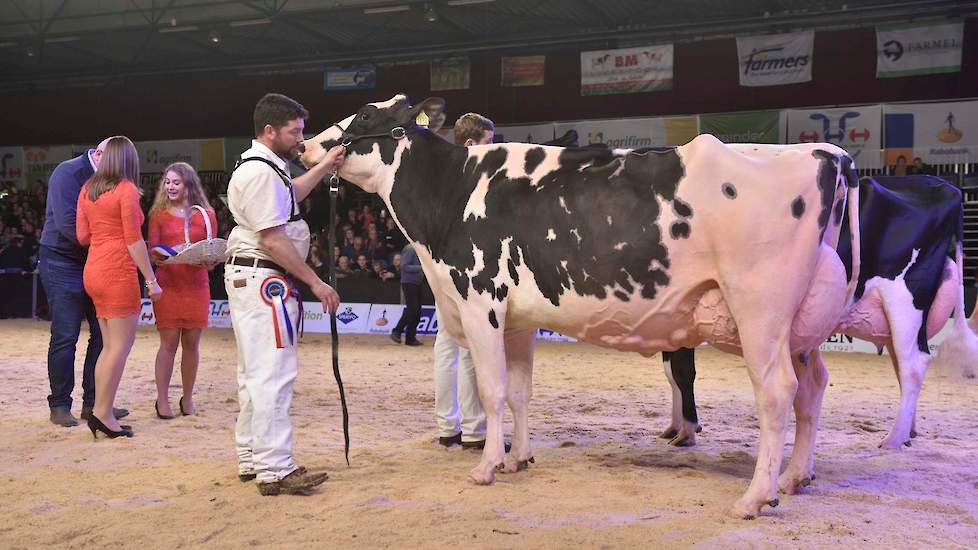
[(910, 280), (633, 250)]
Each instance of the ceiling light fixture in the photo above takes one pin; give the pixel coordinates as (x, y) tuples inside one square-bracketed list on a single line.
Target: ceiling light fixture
[(387, 9), (188, 28), (467, 2), (213, 37), (430, 15), (249, 22)]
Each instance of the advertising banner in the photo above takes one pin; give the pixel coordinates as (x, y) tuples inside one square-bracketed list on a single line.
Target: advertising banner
[(776, 59), (925, 47), (626, 71)]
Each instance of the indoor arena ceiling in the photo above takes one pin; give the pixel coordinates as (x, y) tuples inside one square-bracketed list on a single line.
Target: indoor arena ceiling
[(55, 42)]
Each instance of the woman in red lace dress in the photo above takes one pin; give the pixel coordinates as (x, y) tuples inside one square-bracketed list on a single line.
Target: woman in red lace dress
[(109, 221), (182, 312)]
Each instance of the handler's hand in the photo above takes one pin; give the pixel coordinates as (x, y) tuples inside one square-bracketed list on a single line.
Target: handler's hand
[(335, 157), (329, 298)]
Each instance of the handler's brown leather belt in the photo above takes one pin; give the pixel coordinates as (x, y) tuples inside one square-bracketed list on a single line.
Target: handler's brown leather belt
[(255, 262)]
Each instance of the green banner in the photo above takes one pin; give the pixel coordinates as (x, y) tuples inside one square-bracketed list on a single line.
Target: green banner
[(753, 127)]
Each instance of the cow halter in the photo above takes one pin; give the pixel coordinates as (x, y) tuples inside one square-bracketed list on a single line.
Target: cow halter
[(347, 139)]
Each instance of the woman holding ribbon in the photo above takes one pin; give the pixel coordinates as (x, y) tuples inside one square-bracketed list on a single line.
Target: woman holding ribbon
[(180, 213)]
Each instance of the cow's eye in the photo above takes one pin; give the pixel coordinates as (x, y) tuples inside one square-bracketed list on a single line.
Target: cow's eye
[(364, 117)]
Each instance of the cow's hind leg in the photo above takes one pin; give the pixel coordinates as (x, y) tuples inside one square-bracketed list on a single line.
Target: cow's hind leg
[(519, 359), (910, 362), (484, 331), (773, 379), (680, 368), (813, 377)]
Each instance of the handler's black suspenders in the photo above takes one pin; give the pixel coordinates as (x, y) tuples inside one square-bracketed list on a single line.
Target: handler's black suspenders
[(294, 214)]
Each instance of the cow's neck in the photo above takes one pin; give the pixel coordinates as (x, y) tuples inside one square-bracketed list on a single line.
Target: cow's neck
[(428, 192)]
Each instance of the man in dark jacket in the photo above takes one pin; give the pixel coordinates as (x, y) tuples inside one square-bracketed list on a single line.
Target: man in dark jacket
[(411, 281), (61, 265)]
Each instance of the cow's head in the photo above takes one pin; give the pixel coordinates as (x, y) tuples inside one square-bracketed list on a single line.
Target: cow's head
[(373, 138)]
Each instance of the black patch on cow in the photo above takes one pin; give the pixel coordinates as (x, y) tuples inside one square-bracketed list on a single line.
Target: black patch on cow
[(492, 319), (461, 281), (827, 173), (896, 216), (729, 190), (622, 296), (512, 272), (840, 209), (679, 229), (371, 120), (682, 209), (798, 207), (435, 180), (502, 292), (533, 159)]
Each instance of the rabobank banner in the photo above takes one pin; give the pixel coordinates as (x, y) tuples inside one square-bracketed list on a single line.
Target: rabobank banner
[(381, 318)]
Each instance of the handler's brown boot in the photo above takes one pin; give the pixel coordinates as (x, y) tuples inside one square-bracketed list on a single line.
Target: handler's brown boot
[(296, 483)]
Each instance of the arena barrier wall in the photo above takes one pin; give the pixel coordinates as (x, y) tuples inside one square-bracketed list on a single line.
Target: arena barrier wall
[(354, 318)]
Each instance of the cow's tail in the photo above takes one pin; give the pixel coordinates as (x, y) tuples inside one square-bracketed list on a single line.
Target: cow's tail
[(960, 348), (848, 176)]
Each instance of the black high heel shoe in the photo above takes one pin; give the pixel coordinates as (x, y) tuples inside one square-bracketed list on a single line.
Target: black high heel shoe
[(96, 426), (156, 404), (183, 412)]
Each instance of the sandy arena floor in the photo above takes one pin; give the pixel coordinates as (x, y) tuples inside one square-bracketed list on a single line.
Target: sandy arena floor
[(602, 478)]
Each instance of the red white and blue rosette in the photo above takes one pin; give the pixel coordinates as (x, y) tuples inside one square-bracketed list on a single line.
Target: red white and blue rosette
[(275, 291)]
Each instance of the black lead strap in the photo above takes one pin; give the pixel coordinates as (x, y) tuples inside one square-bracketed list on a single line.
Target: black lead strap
[(334, 186)]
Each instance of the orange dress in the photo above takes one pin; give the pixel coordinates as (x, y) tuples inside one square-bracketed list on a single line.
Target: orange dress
[(107, 226), (186, 298)]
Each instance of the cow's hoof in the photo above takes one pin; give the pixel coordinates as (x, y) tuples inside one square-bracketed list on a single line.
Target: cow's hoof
[(511, 465), (743, 512), (669, 433), (479, 476), (894, 444), (682, 441), (773, 503), (699, 428), (789, 485)]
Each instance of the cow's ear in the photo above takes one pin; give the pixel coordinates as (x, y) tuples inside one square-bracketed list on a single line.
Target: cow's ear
[(433, 110)]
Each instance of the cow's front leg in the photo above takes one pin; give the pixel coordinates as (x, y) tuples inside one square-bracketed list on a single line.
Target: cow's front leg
[(519, 359), (774, 382), (813, 377), (483, 326)]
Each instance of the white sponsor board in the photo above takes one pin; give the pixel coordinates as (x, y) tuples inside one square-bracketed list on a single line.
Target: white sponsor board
[(858, 130), (926, 47), (776, 59)]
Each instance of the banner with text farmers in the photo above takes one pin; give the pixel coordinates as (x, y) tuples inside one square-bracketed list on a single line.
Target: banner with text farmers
[(775, 59)]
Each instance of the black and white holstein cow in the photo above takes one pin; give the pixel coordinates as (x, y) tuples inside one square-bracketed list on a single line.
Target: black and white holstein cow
[(633, 250), (910, 280)]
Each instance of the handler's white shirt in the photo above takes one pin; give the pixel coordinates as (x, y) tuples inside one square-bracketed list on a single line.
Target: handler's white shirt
[(258, 199)]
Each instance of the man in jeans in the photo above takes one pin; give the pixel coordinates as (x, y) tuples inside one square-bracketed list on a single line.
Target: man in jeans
[(61, 262), (411, 280)]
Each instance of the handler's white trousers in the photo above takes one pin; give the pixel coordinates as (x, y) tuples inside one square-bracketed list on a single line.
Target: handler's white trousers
[(457, 404), (266, 373)]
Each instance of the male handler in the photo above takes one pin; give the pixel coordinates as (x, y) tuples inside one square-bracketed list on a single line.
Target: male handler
[(271, 240)]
